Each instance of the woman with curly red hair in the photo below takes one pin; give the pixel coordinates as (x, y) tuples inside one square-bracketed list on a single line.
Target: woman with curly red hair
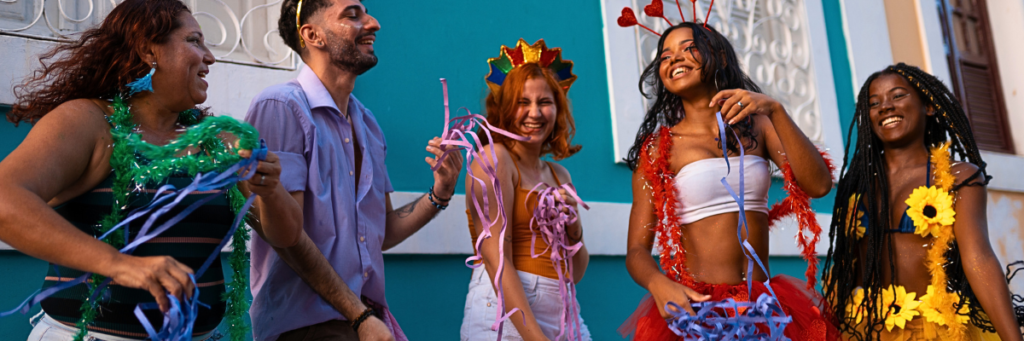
[(530, 102), (59, 190)]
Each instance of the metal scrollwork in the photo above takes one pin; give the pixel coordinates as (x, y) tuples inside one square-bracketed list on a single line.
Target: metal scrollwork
[(771, 41), (251, 40)]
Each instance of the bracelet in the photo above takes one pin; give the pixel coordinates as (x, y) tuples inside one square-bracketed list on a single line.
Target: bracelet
[(430, 195), (362, 318), (439, 197)]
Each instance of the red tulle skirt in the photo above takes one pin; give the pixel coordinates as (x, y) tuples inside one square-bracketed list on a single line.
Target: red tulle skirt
[(809, 322)]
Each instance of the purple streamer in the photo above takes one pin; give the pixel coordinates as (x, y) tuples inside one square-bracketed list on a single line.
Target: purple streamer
[(458, 132), (550, 223)]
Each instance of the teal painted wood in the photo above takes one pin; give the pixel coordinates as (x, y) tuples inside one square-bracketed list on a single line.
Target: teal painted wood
[(842, 72), (10, 136)]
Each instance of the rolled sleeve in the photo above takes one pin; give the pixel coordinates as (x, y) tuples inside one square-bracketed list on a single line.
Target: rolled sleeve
[(281, 124)]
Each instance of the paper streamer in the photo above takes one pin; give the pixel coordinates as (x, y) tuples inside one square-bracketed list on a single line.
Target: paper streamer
[(180, 318), (459, 132), (730, 320), (549, 222)]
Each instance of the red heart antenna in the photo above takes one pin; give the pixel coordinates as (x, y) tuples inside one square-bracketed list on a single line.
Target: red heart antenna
[(656, 9), (628, 19), (683, 18), (708, 15)]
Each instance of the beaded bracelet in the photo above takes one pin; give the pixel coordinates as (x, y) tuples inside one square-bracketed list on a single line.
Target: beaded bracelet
[(431, 196), (362, 318)]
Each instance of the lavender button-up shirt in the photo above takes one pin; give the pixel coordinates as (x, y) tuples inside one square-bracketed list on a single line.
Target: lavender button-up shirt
[(303, 126)]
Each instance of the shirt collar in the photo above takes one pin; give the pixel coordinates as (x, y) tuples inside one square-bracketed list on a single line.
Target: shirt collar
[(316, 93)]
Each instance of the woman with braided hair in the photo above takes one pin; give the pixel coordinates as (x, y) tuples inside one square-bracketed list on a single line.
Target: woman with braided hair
[(910, 255), (679, 201)]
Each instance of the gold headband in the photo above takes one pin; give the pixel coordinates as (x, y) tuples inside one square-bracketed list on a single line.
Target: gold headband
[(298, 25)]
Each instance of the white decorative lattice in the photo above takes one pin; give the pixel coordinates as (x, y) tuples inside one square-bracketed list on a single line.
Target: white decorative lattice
[(771, 38), (247, 39)]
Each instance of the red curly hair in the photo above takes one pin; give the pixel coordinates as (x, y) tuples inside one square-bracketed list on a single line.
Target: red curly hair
[(502, 107), (101, 62)]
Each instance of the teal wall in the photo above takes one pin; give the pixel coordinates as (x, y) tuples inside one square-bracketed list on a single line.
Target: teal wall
[(421, 42)]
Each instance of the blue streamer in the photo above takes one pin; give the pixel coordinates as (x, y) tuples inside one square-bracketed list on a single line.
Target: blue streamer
[(730, 320), (179, 319), (708, 324)]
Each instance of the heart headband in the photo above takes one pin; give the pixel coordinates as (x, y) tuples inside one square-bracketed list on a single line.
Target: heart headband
[(656, 9)]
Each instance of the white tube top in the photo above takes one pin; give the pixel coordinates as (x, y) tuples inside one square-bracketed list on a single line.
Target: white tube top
[(701, 193)]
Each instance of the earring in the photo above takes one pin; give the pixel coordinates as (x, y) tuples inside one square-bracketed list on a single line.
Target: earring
[(142, 84)]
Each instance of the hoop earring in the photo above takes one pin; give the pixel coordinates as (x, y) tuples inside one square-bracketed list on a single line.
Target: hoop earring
[(142, 84), (716, 81)]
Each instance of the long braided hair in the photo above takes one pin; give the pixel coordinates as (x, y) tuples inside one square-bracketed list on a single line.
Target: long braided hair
[(865, 175), (717, 54)]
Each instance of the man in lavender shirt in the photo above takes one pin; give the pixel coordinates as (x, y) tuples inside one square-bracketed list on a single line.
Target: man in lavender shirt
[(324, 280)]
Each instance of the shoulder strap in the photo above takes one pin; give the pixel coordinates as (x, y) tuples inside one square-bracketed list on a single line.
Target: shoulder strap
[(554, 174), (519, 176)]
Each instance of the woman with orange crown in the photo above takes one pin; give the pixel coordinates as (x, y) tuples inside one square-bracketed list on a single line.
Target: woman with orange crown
[(688, 164), (527, 98), (911, 258)]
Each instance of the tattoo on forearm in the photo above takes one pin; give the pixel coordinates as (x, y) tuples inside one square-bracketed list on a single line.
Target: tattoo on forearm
[(407, 210)]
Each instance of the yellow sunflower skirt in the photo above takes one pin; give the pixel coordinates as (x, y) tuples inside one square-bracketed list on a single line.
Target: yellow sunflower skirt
[(914, 320)]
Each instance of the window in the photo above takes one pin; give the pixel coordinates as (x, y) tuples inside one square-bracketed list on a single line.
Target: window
[(974, 72)]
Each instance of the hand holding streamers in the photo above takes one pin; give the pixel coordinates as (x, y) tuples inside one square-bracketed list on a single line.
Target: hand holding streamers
[(549, 220)]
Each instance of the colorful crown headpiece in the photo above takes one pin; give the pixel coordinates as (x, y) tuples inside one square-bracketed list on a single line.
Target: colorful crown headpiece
[(523, 54), (656, 9)]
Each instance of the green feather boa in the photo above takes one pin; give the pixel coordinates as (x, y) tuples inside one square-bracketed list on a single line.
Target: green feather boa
[(137, 163)]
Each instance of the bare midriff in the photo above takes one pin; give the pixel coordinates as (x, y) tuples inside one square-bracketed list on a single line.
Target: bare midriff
[(714, 254)]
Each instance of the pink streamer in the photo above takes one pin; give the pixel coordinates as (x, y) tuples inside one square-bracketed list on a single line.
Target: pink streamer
[(459, 132), (550, 221)]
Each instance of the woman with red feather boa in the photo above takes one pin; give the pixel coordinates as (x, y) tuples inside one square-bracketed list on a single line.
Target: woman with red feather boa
[(677, 162)]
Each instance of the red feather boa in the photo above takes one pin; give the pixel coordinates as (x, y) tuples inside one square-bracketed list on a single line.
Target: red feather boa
[(656, 169), (799, 204)]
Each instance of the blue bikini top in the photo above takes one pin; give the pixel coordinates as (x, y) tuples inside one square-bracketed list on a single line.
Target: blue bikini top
[(906, 224)]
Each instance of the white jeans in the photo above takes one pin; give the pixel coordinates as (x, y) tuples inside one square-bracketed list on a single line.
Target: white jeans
[(48, 329), (481, 308)]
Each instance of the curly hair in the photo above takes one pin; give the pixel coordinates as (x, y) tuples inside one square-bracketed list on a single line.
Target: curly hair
[(502, 106), (950, 122), (718, 55), (101, 62)]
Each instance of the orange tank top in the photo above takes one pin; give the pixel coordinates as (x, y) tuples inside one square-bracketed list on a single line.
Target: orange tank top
[(522, 212)]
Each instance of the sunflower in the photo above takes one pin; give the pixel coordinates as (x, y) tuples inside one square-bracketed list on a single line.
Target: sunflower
[(855, 308), (854, 215), (932, 314), (899, 306), (931, 209)]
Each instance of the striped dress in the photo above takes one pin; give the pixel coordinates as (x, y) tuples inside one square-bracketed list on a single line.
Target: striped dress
[(190, 242)]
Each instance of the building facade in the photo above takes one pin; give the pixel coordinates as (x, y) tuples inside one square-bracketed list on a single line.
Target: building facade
[(813, 55)]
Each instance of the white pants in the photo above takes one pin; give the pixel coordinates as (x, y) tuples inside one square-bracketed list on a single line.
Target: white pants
[(48, 329), (482, 308)]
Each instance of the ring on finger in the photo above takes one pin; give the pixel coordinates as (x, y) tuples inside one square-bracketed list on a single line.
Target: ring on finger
[(739, 104), (262, 177)]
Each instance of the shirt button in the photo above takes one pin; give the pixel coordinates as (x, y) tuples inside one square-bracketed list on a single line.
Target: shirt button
[(347, 140), (351, 173), (362, 238), (488, 304), (366, 274)]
